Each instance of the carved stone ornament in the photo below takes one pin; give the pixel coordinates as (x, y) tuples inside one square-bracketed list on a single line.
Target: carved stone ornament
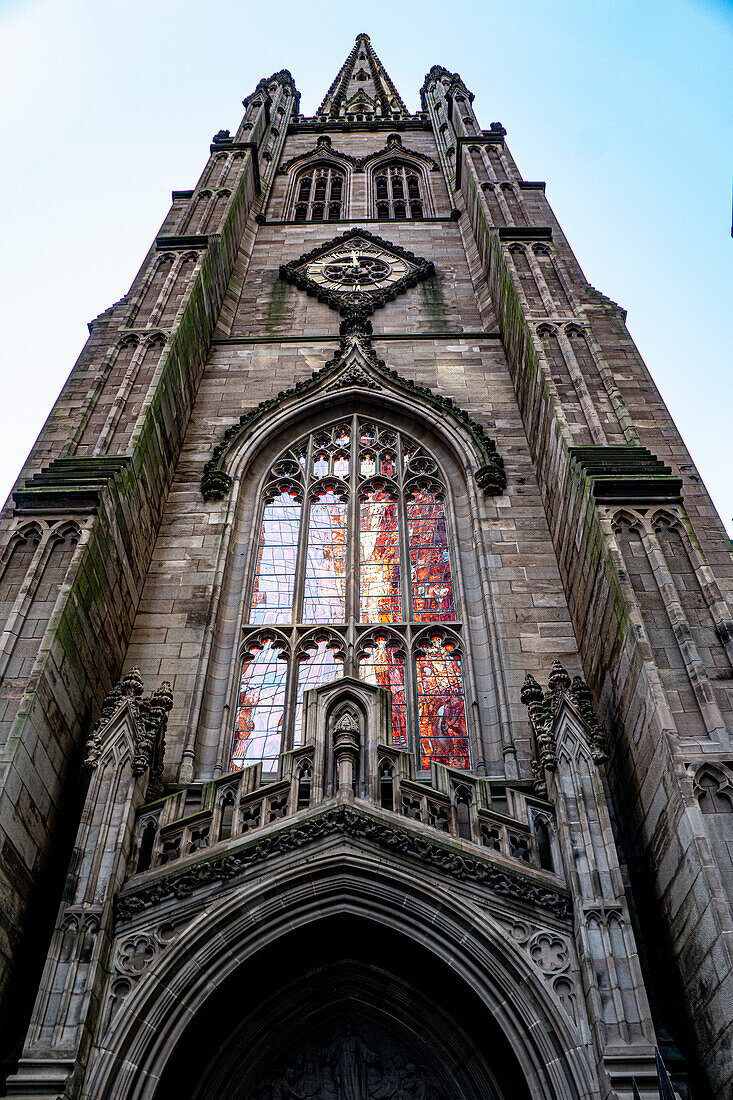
[(544, 708), (323, 143), (370, 372), (347, 1067), (150, 718), (357, 270), (347, 821), (354, 376)]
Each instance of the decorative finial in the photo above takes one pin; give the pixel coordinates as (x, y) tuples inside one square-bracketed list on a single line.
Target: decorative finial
[(132, 683)]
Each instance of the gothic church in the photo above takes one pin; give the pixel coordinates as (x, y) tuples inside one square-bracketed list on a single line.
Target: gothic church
[(366, 689)]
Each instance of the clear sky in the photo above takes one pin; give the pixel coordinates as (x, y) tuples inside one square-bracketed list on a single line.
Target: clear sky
[(624, 107)]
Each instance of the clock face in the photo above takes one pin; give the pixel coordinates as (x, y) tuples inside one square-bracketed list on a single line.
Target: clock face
[(357, 270)]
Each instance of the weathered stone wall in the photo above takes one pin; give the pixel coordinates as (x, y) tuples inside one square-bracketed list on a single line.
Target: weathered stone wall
[(641, 690), (113, 556)]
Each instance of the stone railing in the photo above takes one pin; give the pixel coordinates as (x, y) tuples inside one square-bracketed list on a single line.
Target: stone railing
[(495, 816)]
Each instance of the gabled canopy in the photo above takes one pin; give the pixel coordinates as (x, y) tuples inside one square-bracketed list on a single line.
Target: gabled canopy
[(362, 86)]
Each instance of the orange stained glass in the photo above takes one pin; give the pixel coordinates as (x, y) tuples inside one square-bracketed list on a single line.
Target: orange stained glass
[(379, 559), (383, 666), (320, 667), (432, 581), (260, 706), (272, 597), (324, 599), (441, 707)]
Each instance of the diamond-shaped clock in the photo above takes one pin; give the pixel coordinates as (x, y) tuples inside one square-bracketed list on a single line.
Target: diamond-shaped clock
[(357, 270)]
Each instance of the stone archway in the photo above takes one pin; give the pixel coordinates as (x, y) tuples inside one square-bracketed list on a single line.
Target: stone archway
[(343, 1010), (335, 879)]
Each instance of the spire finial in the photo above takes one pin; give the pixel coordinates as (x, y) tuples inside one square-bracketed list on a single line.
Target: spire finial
[(363, 89)]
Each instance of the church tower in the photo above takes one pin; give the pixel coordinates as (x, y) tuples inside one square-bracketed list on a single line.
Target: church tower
[(366, 672)]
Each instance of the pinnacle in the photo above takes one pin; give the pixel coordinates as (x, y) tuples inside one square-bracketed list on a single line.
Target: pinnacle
[(363, 89)]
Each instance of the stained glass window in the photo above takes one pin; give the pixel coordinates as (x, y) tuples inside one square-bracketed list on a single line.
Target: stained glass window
[(324, 600), (379, 558), (441, 707), (375, 512), (368, 465), (272, 599), (341, 466), (260, 707), (432, 584), (320, 667), (387, 467), (383, 666)]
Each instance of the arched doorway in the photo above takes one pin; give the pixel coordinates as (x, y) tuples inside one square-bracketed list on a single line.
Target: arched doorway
[(344, 1009)]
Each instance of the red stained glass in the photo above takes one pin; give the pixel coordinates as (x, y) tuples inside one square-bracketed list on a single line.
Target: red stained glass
[(341, 438), (324, 599), (258, 725), (384, 667), (320, 667), (441, 707), (320, 465), (432, 583), (367, 435), (379, 559), (387, 464), (272, 598)]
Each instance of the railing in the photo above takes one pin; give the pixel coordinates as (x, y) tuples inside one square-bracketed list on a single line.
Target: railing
[(453, 802)]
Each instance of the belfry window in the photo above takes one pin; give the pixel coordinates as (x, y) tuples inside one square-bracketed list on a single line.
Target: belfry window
[(353, 576), (398, 192), (319, 194)]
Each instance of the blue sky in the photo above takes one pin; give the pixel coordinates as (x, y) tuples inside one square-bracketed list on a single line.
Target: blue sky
[(624, 108)]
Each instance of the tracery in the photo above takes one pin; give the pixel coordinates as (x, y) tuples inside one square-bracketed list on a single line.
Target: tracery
[(353, 559), (319, 194), (398, 191)]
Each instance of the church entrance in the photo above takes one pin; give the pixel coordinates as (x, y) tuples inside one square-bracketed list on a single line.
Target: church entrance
[(345, 1010)]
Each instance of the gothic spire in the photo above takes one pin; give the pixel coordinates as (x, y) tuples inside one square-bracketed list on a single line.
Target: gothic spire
[(362, 87)]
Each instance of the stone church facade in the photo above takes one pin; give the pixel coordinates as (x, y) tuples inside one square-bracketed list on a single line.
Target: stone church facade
[(365, 682)]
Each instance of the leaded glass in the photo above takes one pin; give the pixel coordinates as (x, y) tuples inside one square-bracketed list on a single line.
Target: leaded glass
[(259, 721), (324, 600), (432, 583), (383, 666), (341, 466), (359, 479), (368, 465), (441, 707), (272, 598), (320, 667), (379, 558), (387, 464)]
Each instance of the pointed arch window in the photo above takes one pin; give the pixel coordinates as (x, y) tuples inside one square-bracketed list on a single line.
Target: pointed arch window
[(319, 194), (399, 191), (353, 575)]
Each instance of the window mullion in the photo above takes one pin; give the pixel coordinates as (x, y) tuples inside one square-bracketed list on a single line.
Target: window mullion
[(413, 718), (290, 693), (353, 533), (303, 537)]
